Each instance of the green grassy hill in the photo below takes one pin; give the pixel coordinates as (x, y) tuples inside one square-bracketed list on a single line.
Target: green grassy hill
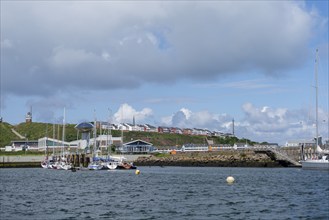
[(6, 135), (35, 130)]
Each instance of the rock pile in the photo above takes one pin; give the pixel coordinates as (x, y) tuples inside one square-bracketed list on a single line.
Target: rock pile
[(245, 158)]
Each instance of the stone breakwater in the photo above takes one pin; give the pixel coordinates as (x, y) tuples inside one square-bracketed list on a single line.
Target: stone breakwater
[(245, 158), (20, 161)]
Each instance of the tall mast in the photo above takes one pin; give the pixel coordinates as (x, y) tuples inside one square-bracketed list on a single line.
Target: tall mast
[(46, 140), (54, 128), (95, 134), (122, 127), (109, 144), (63, 135), (316, 99)]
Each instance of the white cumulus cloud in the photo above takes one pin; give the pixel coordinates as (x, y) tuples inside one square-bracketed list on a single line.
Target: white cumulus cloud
[(264, 123), (126, 113)]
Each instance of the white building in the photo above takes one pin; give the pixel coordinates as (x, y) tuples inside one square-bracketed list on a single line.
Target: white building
[(102, 141), (298, 143)]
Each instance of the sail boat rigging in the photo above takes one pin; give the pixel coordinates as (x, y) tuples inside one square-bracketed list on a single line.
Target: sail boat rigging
[(322, 161)]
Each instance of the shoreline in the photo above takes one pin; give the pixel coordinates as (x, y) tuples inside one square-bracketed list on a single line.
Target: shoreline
[(20, 165), (246, 158), (210, 164), (159, 164)]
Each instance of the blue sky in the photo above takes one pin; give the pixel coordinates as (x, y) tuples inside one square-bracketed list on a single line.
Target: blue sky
[(186, 64)]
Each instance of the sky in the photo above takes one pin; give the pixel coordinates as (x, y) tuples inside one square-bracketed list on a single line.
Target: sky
[(187, 64)]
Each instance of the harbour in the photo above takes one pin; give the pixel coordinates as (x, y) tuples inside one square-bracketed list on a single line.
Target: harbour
[(187, 110), (96, 153)]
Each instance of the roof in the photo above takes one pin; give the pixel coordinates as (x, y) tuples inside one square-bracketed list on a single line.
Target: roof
[(84, 126), (138, 142)]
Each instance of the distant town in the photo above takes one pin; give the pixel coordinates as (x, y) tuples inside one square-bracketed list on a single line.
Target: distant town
[(150, 128), (161, 129)]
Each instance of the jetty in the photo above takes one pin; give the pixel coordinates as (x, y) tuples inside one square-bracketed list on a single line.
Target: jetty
[(250, 157), (279, 156), (22, 161)]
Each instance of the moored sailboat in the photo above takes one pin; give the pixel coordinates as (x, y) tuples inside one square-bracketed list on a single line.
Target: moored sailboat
[(321, 161), (60, 162)]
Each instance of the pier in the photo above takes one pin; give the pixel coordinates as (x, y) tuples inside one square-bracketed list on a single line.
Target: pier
[(35, 161), (280, 156)]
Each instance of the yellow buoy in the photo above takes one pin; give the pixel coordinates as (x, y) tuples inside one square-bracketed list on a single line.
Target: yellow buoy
[(230, 179), (137, 172)]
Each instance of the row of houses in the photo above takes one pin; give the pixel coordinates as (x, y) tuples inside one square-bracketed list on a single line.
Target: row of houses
[(161, 129)]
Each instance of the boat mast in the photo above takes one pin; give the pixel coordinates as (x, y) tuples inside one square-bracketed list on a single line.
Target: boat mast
[(95, 134), (121, 144), (46, 149), (316, 100), (63, 135), (54, 128), (109, 144)]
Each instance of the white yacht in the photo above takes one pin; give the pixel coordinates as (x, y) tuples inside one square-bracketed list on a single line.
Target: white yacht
[(321, 161)]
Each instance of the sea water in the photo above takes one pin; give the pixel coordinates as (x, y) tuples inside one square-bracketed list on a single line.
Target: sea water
[(164, 193)]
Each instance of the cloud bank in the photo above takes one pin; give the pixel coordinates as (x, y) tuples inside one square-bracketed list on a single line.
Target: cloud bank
[(110, 45), (257, 124)]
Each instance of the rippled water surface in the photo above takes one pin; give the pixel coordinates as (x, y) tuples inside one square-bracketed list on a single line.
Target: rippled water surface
[(164, 193)]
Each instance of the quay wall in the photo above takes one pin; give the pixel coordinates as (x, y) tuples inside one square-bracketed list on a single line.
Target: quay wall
[(22, 161), (227, 158)]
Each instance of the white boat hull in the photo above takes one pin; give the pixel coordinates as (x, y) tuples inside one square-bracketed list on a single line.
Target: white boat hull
[(94, 166), (315, 164), (44, 165), (112, 165), (66, 167)]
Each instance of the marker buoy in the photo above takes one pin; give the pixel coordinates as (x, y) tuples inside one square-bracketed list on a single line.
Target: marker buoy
[(230, 179), (137, 172)]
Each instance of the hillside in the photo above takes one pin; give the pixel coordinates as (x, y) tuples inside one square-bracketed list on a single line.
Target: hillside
[(6, 135), (35, 130)]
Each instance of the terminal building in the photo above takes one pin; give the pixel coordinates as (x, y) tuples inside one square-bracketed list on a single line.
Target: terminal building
[(102, 142), (137, 147)]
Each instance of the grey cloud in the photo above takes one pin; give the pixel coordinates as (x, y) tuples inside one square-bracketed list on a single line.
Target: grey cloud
[(185, 118), (277, 125), (108, 45), (258, 124)]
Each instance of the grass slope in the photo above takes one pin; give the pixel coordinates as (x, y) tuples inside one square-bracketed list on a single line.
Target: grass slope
[(6, 135)]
